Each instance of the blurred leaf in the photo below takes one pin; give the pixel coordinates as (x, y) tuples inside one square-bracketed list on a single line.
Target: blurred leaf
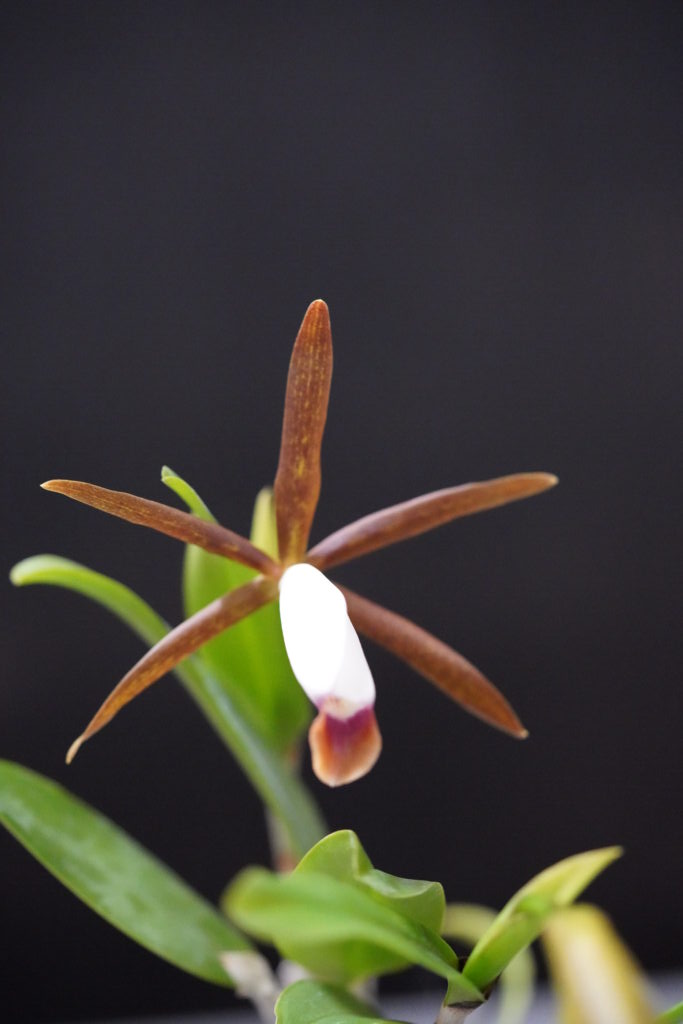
[(314, 1002), (250, 657), (596, 978), (264, 524), (115, 876), (466, 923), (674, 1015), (279, 787), (526, 914), (341, 855), (337, 929)]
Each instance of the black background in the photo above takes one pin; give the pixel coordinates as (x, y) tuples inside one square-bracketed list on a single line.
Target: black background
[(489, 198)]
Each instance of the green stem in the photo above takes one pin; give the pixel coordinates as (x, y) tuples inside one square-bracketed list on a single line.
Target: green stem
[(279, 787), (281, 790)]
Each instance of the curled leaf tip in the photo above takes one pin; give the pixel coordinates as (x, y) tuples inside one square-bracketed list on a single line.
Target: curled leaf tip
[(74, 748)]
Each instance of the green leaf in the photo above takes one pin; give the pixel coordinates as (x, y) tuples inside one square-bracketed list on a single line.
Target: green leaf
[(315, 1002), (526, 914), (596, 979), (115, 876), (264, 523), (674, 1015), (187, 494), (249, 658), (466, 923), (111, 594), (278, 786), (291, 708), (341, 856), (337, 929)]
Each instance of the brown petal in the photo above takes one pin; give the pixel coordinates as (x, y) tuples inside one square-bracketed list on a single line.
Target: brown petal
[(343, 750), (171, 521), (434, 660), (178, 644), (421, 514), (297, 483)]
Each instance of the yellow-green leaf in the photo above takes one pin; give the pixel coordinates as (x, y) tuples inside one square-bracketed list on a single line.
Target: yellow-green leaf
[(466, 923), (596, 978), (523, 918)]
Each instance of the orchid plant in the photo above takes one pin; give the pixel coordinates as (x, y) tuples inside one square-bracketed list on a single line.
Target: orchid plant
[(266, 633)]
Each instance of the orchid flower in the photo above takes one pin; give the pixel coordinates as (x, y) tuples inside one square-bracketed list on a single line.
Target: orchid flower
[(319, 620)]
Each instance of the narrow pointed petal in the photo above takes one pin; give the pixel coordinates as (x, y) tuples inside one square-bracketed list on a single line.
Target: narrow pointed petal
[(435, 660), (410, 518), (297, 483), (178, 644), (182, 525), (343, 750)]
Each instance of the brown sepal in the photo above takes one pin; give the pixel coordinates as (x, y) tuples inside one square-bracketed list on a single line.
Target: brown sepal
[(410, 518), (297, 482), (166, 519), (182, 641), (435, 660)]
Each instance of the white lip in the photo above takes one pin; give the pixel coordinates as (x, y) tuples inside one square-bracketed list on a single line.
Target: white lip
[(322, 646)]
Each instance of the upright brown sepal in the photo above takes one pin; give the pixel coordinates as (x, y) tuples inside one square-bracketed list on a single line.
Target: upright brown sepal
[(344, 749), (297, 483)]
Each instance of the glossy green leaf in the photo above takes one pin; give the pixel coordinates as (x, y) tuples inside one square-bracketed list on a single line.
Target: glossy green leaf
[(278, 786), (114, 875), (526, 914), (466, 923), (596, 979), (250, 657), (336, 929), (315, 1002), (341, 856)]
